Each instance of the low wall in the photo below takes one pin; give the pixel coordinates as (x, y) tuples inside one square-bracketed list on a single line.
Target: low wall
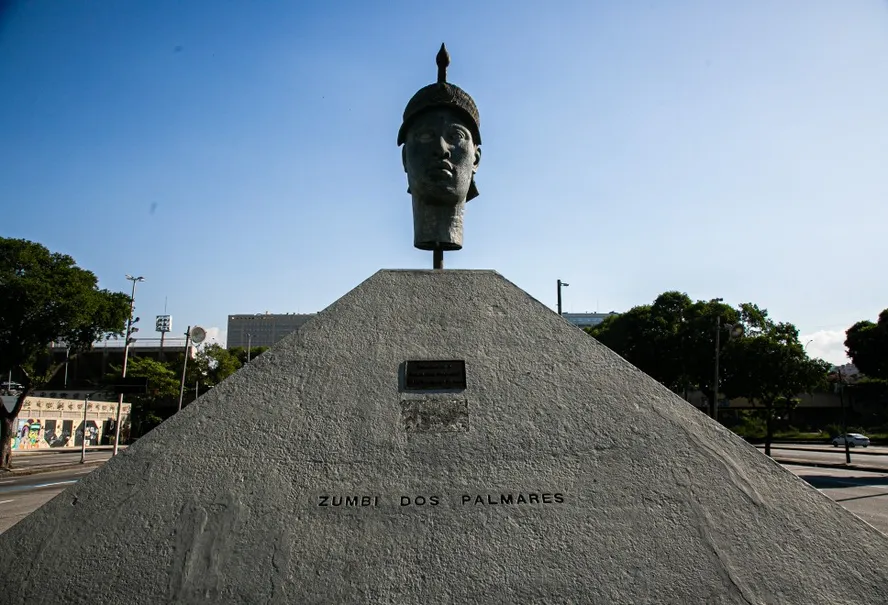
[(45, 423)]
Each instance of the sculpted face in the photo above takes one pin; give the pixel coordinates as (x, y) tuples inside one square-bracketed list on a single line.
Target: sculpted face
[(440, 157)]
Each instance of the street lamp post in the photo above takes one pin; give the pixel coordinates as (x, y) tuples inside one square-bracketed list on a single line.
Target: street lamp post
[(561, 284), (83, 436), (736, 330), (67, 354), (184, 366), (126, 346), (844, 415), (249, 346)]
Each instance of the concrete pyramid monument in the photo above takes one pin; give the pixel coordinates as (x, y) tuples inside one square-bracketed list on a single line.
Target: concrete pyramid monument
[(345, 466)]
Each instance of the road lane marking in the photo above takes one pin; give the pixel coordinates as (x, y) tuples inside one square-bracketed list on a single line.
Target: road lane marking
[(54, 483)]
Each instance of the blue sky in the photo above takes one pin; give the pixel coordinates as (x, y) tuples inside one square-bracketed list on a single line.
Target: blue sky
[(242, 155)]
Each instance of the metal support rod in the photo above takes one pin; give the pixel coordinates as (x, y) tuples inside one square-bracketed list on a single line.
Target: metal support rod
[(184, 366), (438, 258)]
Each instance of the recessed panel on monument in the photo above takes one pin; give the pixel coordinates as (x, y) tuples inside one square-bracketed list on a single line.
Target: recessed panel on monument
[(473, 447)]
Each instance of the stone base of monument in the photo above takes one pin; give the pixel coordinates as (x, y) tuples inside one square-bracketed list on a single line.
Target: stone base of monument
[(441, 437)]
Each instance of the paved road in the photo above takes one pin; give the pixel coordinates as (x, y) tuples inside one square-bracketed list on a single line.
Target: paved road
[(864, 494), (20, 496)]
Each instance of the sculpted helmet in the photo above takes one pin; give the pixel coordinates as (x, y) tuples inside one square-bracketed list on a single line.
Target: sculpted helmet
[(443, 94)]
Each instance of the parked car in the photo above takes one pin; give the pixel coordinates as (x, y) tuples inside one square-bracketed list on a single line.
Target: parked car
[(854, 439)]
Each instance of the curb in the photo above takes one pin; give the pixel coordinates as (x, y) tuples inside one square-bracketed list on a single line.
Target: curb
[(860, 451), (48, 468), (841, 465)]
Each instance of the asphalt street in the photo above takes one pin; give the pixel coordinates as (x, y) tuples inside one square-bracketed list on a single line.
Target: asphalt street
[(22, 495), (864, 494)]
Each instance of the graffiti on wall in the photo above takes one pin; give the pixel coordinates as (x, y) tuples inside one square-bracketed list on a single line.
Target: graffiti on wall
[(92, 434), (56, 436), (27, 435)]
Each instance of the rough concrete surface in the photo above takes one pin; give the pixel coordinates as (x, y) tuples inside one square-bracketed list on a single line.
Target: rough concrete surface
[(620, 491)]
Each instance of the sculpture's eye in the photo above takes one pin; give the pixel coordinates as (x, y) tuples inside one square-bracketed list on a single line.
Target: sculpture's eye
[(425, 136), (458, 135)]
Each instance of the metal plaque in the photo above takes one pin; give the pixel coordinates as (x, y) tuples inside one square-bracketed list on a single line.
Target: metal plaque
[(434, 375)]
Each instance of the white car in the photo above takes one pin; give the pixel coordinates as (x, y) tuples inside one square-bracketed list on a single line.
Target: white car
[(854, 439)]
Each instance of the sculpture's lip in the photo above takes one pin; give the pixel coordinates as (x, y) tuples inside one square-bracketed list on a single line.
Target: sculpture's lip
[(441, 169)]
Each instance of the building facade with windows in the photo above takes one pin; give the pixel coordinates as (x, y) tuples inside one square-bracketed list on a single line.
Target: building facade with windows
[(263, 329), (586, 320)]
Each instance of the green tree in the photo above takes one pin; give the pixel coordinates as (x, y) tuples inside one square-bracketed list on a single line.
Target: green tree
[(867, 345), (769, 367), (159, 402), (672, 340), (211, 365), (241, 353), (46, 297)]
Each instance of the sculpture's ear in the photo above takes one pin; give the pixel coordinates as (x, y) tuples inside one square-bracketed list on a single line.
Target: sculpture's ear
[(477, 158), (404, 162)]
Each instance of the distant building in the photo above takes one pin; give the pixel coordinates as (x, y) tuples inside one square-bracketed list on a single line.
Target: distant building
[(586, 320), (89, 368), (263, 329), (850, 373)]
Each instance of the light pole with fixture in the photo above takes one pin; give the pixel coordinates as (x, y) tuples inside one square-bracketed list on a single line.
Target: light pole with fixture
[(561, 284), (126, 345), (67, 355), (736, 330), (194, 335)]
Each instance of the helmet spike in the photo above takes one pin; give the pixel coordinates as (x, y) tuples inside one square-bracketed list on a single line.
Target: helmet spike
[(443, 60)]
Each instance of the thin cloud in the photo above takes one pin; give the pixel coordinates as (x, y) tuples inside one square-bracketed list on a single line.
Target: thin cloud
[(826, 344)]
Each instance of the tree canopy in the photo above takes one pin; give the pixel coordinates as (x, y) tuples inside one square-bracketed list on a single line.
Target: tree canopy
[(674, 341), (45, 297), (769, 367), (867, 345)]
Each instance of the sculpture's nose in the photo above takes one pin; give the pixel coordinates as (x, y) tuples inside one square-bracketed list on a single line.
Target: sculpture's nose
[(442, 148)]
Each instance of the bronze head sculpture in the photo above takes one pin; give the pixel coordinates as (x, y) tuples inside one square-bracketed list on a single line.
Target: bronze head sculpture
[(441, 151)]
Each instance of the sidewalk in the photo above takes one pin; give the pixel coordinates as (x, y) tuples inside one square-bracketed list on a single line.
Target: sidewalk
[(48, 468), (61, 450), (854, 466), (30, 462)]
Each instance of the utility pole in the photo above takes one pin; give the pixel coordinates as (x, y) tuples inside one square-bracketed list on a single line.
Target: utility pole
[(561, 284), (83, 439), (713, 405), (249, 346), (129, 332), (184, 366), (844, 416)]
